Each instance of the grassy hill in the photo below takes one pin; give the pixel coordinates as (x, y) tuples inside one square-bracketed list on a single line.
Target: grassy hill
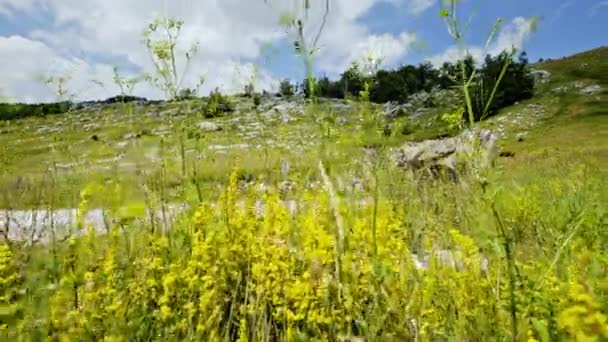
[(574, 124), (366, 252), (119, 141)]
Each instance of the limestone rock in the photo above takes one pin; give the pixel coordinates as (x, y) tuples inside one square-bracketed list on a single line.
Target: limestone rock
[(209, 126), (591, 90), (434, 155)]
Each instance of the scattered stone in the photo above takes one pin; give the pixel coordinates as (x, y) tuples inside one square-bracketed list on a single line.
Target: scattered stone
[(341, 107), (286, 186), (209, 126), (228, 147), (286, 118), (591, 90), (447, 258), (559, 90), (541, 76), (46, 129), (520, 136), (131, 136), (122, 144), (394, 110), (578, 84)]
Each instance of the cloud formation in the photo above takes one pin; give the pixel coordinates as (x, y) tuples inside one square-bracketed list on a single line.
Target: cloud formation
[(90, 36), (513, 35), (594, 10)]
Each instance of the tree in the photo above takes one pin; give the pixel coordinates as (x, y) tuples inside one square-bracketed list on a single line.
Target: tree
[(351, 80), (389, 86), (322, 88), (186, 94), (286, 88), (448, 75), (516, 84)]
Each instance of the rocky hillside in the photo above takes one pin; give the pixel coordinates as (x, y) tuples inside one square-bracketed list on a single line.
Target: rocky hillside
[(102, 140)]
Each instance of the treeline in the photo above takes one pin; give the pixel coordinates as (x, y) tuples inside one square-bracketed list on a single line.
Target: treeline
[(12, 111), (396, 85), (399, 84)]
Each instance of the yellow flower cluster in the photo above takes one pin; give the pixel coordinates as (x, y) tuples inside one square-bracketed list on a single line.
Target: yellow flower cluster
[(225, 272)]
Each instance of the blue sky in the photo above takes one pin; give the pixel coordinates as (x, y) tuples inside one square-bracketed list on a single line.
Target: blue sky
[(47, 36)]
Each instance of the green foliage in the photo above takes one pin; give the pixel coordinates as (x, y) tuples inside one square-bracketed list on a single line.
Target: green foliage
[(160, 38), (257, 100), (286, 88), (12, 111), (517, 84), (455, 120), (400, 84), (297, 26), (186, 94), (515, 255), (217, 105), (125, 84), (225, 272)]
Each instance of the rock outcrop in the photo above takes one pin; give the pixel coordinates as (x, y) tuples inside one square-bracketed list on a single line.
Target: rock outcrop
[(469, 150)]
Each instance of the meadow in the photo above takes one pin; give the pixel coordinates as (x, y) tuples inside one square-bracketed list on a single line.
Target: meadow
[(298, 226)]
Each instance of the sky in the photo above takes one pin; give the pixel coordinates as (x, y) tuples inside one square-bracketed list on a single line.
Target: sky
[(241, 41)]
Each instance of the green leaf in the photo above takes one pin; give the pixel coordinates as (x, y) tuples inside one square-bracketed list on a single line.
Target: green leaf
[(541, 329), (444, 13)]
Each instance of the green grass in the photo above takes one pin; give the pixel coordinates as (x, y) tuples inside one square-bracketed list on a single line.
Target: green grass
[(572, 123), (338, 269)]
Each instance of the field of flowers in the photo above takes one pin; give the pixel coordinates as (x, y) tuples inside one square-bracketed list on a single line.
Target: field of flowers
[(516, 252), (438, 261)]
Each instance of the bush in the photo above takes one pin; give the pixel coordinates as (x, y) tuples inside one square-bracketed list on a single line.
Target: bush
[(286, 88), (217, 105), (257, 100), (186, 94)]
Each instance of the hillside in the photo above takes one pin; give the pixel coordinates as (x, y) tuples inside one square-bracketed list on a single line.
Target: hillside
[(296, 220), (117, 140)]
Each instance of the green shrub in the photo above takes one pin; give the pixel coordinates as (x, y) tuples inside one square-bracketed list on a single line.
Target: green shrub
[(257, 100), (217, 105), (286, 88)]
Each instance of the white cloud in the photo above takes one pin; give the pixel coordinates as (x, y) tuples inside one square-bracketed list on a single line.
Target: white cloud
[(560, 11), (419, 6), (346, 40), (25, 75), (386, 48), (513, 35), (9, 6), (231, 34), (454, 53), (596, 8)]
